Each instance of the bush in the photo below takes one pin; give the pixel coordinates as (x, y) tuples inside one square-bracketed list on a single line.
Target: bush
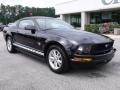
[(113, 25), (95, 27)]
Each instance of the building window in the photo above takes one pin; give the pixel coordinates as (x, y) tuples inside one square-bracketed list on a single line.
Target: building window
[(75, 20), (105, 16), (95, 18)]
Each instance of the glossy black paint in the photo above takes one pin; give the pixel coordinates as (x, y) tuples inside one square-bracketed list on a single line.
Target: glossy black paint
[(68, 39)]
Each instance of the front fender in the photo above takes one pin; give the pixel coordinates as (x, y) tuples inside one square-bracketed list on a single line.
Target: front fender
[(6, 32), (63, 42)]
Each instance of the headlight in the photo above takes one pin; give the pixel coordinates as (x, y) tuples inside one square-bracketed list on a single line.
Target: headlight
[(80, 48), (84, 49)]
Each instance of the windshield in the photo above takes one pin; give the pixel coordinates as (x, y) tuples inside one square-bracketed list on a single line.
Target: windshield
[(53, 24)]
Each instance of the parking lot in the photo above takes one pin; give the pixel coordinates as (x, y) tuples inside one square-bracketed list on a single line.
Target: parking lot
[(23, 72)]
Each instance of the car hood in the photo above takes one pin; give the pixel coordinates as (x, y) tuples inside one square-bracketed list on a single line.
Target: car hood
[(80, 36)]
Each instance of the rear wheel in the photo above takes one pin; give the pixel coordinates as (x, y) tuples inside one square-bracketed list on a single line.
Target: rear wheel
[(57, 60), (9, 44)]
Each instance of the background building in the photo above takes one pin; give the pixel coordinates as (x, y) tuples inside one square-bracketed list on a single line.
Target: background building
[(82, 12)]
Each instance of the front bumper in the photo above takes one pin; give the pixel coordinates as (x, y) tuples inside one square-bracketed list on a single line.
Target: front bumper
[(94, 58)]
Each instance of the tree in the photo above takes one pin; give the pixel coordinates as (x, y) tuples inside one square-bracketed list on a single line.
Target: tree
[(10, 14)]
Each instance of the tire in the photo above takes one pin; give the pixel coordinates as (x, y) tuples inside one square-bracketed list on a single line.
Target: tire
[(9, 44), (57, 60)]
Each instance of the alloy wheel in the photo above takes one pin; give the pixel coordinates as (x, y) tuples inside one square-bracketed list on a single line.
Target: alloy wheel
[(55, 59)]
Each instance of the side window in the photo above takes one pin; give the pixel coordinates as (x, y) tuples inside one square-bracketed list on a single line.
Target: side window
[(41, 23), (24, 23), (13, 25)]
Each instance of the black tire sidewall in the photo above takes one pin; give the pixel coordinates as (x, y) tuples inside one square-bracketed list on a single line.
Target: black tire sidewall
[(65, 63)]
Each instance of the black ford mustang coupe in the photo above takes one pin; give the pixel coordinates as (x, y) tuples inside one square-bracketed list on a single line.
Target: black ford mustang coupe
[(58, 42)]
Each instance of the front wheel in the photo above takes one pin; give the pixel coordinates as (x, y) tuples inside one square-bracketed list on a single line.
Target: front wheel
[(57, 60)]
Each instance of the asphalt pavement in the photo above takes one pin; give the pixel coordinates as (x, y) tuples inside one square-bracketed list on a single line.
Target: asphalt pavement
[(24, 72)]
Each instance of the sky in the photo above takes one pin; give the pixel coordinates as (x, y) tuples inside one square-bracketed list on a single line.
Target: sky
[(33, 3)]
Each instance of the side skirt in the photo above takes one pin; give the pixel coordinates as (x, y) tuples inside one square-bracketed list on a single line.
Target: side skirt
[(28, 48)]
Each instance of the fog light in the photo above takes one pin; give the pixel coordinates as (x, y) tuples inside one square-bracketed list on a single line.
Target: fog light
[(87, 59), (82, 59)]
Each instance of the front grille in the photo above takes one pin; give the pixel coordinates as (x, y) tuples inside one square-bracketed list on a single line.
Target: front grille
[(101, 48)]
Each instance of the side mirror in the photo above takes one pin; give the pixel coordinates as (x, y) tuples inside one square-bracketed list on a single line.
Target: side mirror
[(32, 28)]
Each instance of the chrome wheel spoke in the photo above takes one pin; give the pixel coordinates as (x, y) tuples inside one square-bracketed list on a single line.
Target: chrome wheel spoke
[(54, 53), (55, 64), (59, 62), (59, 56), (52, 59)]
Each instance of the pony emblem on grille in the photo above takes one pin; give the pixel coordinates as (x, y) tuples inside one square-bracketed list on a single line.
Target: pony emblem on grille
[(106, 45)]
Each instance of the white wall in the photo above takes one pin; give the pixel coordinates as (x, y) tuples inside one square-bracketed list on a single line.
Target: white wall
[(83, 6), (65, 17)]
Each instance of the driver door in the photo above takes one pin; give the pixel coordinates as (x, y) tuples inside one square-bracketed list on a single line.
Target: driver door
[(25, 37)]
